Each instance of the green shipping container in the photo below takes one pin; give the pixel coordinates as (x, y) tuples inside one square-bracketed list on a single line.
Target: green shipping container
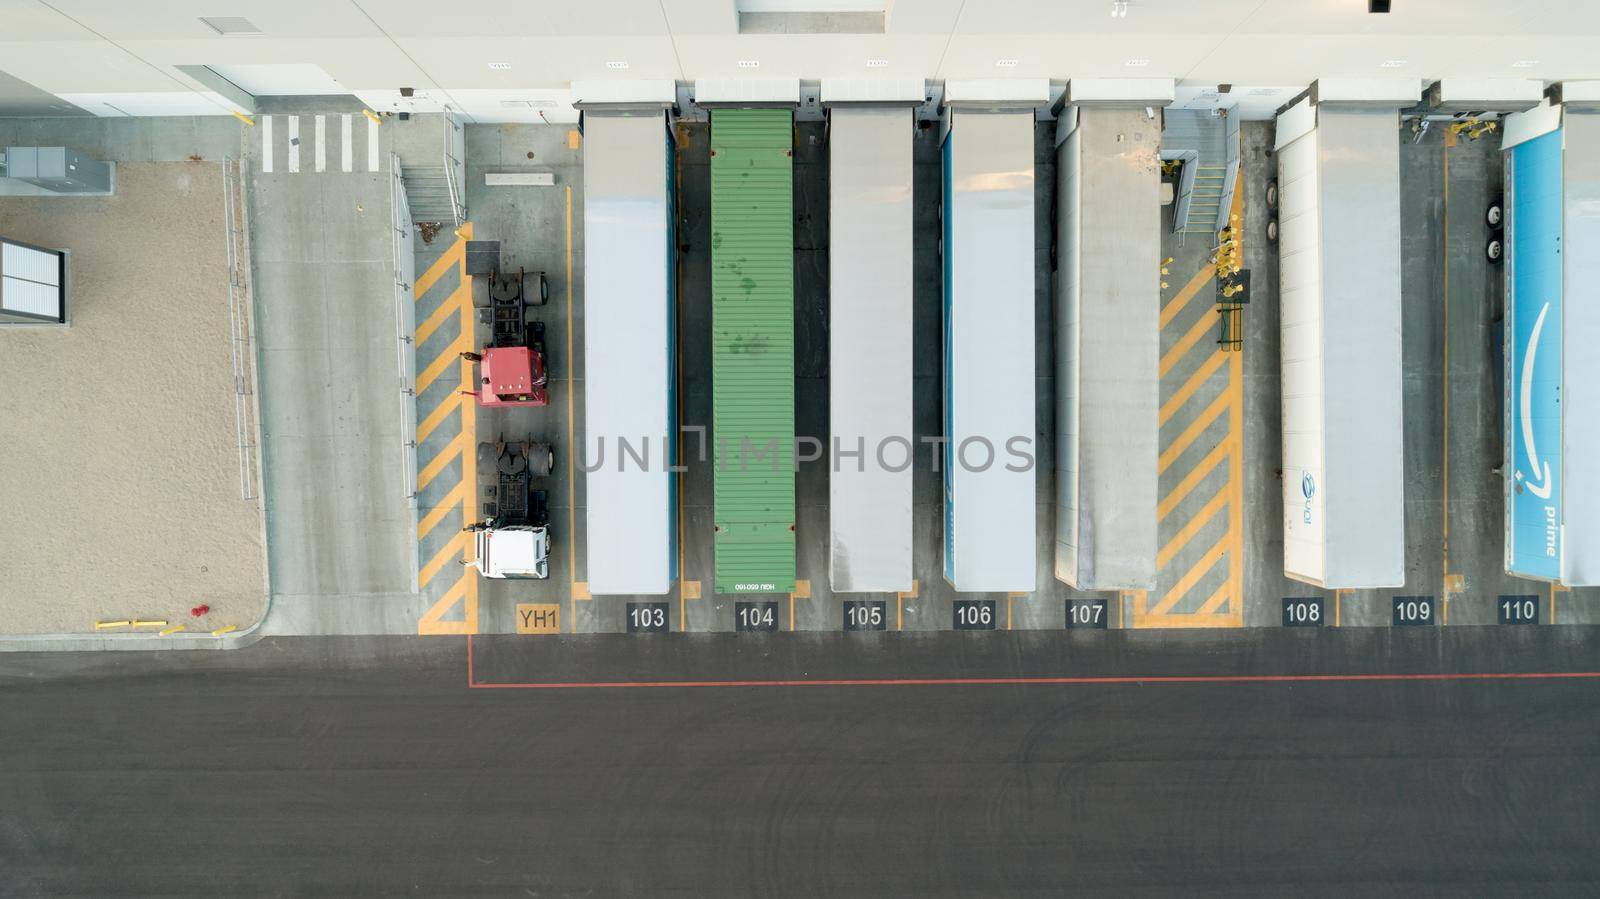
[(752, 303)]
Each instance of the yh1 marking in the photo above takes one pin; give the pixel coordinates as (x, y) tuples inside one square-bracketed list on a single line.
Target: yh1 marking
[(1087, 613), (755, 617), (647, 617), (974, 614), (864, 615)]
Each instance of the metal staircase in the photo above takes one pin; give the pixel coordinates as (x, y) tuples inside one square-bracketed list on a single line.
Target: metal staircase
[(1208, 146), (428, 193)]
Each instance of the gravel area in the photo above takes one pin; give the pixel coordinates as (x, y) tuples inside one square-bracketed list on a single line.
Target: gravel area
[(119, 480)]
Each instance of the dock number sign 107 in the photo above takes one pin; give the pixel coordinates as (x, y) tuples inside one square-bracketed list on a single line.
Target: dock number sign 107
[(1086, 613)]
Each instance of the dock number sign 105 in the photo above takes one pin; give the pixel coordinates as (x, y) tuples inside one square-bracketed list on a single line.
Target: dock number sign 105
[(974, 614), (1087, 613), (1518, 610), (647, 617), (755, 616), (1415, 611), (864, 615), (1304, 611)]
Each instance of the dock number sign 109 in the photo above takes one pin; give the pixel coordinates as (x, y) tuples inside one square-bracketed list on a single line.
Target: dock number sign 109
[(864, 615), (755, 616), (974, 614), (1086, 613), (1304, 611), (1415, 611), (647, 617)]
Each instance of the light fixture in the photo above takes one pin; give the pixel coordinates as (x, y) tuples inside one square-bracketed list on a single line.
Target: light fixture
[(1393, 63), (1119, 9), (500, 66), (616, 64), (1137, 63), (749, 63), (1005, 63), (1525, 63), (877, 63), (231, 26)]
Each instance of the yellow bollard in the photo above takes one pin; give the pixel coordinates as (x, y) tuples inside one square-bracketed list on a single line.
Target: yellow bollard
[(244, 118), (107, 625), (372, 116), (138, 622), (224, 630), (167, 632)]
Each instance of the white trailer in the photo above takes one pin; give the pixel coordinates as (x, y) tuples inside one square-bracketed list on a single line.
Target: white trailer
[(630, 425), (1339, 278), (869, 487), (1108, 334), (1552, 375), (989, 457)]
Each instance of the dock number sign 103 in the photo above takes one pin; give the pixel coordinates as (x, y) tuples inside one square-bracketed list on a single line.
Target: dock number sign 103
[(647, 617)]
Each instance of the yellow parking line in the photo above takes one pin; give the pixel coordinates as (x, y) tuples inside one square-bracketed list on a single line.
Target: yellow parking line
[(572, 485), (465, 588), (1176, 304), (1235, 395), (1190, 578), (1192, 479), (433, 468), (440, 558), (1192, 432), (446, 309), (451, 501), (440, 413), (1187, 532), (437, 367), (1196, 331), (1196, 380)]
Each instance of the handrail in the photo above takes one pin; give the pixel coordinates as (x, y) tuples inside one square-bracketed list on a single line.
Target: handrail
[(244, 409), (454, 170)]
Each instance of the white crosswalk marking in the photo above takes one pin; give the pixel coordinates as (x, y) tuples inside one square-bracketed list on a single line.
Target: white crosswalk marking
[(266, 143), (346, 150), (322, 143), (294, 144)]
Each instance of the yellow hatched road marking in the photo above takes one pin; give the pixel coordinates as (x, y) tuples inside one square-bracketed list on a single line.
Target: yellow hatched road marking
[(1190, 578), (1195, 429), (441, 557), (464, 590), (1196, 331), (1176, 304), (441, 315), (1192, 479), (440, 413), (1187, 532), (437, 367), (453, 257), (451, 501), (1196, 380), (448, 454), (1216, 599)]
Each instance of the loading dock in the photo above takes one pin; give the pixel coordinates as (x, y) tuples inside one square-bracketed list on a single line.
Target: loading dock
[(989, 379), (870, 343), (629, 351), (1108, 305), (1552, 379), (1339, 273), (752, 298)]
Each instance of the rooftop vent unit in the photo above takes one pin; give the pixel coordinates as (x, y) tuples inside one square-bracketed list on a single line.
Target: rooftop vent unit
[(231, 26)]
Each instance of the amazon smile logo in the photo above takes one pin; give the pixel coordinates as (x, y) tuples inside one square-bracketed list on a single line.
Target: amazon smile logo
[(1540, 468)]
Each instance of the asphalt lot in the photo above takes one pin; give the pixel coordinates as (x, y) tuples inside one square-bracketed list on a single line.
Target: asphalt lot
[(368, 765)]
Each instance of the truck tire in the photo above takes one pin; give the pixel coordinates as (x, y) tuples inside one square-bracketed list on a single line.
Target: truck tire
[(1494, 215), (541, 459), (1272, 230), (1495, 249), (1272, 194)]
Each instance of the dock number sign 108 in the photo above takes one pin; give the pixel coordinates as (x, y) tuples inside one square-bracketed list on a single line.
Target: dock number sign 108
[(1304, 611), (974, 614), (755, 616), (864, 615), (1086, 613), (647, 617)]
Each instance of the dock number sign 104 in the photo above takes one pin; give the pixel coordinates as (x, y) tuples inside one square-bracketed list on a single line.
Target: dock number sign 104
[(755, 616)]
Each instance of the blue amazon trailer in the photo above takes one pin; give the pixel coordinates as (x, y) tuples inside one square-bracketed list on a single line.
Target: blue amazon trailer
[(1551, 463)]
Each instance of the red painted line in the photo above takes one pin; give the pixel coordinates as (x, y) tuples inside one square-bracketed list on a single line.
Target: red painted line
[(1029, 681)]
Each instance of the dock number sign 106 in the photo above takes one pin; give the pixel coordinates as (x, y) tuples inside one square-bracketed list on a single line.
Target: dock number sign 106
[(1304, 611), (647, 617), (755, 616), (974, 614), (864, 615), (1086, 613)]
